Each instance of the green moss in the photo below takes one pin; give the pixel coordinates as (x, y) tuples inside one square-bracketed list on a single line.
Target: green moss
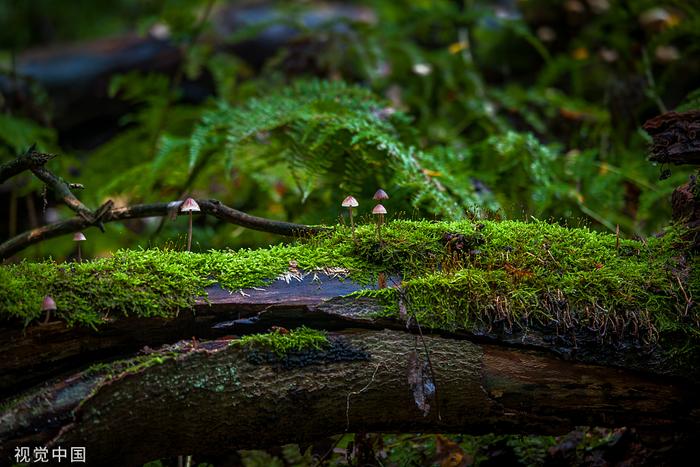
[(280, 343), (129, 365), (455, 275)]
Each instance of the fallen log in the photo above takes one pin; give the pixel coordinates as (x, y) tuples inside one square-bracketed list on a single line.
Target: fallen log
[(218, 397), (43, 351)]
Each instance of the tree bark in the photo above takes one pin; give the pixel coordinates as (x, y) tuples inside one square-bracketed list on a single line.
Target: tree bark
[(213, 398), (676, 138)]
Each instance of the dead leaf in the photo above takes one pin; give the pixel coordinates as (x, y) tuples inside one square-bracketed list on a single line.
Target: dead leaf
[(519, 273), (450, 454), (420, 382)]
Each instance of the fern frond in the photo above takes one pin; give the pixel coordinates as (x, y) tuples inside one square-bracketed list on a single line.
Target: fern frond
[(331, 129)]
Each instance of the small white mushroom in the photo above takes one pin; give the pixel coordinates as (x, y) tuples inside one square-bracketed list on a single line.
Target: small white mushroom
[(350, 202), (48, 305), (380, 195), (379, 211), (79, 237), (189, 206)]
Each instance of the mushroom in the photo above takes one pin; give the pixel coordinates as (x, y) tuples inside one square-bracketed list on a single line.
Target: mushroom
[(79, 237), (48, 305), (379, 211), (189, 206), (380, 195), (350, 202)]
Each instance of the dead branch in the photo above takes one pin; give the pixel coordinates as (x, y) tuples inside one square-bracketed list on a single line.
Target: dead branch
[(62, 190), (208, 206), (31, 159), (676, 137)]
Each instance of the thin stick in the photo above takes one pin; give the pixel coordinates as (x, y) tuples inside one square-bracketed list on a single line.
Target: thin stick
[(189, 234), (430, 366), (357, 393), (427, 356), (26, 161)]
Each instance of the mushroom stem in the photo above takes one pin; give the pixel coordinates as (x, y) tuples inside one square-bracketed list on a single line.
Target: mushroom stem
[(352, 224), (48, 317), (80, 259), (189, 233)]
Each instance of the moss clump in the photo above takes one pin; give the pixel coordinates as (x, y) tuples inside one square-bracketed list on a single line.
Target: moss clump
[(455, 275), (281, 343), (129, 365)]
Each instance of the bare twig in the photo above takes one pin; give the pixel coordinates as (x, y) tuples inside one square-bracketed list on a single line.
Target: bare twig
[(27, 161), (357, 393), (107, 213), (62, 189), (32, 160)]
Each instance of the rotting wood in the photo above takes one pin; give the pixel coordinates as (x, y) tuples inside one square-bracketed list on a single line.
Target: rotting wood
[(212, 398), (676, 138)]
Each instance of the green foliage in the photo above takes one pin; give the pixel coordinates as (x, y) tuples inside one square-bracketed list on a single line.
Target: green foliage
[(323, 134), (281, 343)]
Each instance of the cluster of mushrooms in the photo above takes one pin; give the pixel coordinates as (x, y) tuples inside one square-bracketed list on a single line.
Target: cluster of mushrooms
[(379, 210)]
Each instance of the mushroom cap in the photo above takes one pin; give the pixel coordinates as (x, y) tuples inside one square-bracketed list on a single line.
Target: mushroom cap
[(79, 237), (379, 209), (380, 195), (189, 205), (350, 202), (48, 304)]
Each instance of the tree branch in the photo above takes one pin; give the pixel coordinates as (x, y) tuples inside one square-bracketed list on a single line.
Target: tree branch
[(108, 214), (62, 189), (31, 159)]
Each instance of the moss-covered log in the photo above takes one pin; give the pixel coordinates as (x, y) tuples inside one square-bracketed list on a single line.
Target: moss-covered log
[(224, 395), (41, 351), (586, 296)]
